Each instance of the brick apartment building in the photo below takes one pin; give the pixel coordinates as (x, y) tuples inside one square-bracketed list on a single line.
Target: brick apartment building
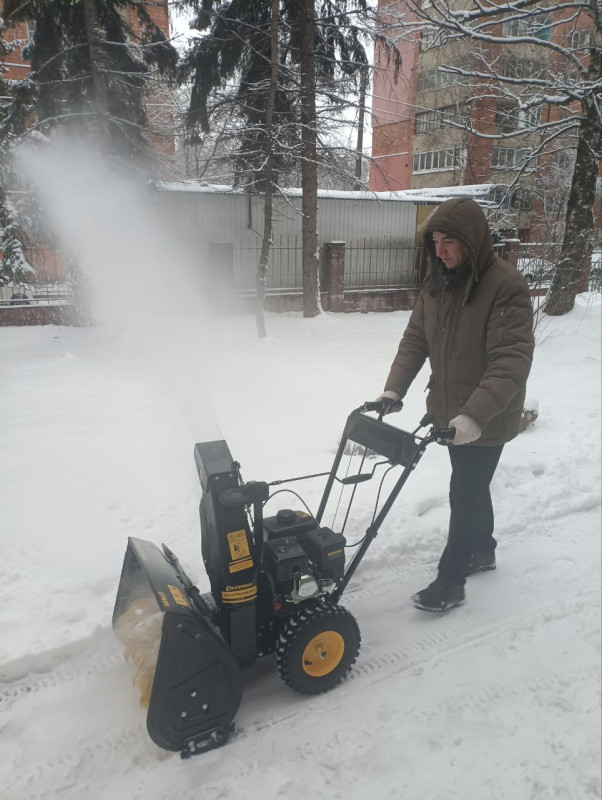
[(416, 146)]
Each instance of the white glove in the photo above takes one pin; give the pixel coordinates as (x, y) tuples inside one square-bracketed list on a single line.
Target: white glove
[(467, 430), (391, 399)]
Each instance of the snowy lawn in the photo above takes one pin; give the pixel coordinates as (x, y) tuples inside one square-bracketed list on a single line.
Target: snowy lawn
[(498, 699)]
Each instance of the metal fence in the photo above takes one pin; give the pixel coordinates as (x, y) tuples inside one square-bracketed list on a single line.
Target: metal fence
[(285, 266), (37, 293), (369, 264), (381, 264)]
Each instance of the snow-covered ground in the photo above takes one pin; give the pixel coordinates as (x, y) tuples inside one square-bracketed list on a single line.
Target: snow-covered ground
[(498, 699)]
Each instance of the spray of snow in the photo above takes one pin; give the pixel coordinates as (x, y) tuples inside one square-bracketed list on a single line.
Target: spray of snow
[(142, 291)]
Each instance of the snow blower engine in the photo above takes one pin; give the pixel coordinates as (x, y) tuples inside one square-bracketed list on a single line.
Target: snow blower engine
[(275, 583)]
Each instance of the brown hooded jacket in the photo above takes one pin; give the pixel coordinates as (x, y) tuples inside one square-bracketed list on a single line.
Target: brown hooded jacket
[(475, 325)]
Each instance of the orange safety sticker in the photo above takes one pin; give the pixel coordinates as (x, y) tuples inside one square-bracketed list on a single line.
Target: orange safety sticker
[(164, 599), (178, 595), (239, 546), (236, 566)]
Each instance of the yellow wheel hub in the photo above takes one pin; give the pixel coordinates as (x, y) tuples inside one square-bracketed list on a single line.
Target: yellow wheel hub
[(323, 654)]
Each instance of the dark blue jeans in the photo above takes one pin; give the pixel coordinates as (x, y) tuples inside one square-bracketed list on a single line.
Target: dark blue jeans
[(471, 518)]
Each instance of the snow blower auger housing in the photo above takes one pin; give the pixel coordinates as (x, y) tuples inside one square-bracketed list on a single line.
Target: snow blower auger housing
[(275, 584)]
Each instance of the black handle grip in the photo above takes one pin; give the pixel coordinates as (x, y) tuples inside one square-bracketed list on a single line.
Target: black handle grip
[(385, 406), (444, 435)]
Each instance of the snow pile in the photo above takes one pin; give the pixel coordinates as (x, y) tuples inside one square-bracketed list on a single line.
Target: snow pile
[(498, 699)]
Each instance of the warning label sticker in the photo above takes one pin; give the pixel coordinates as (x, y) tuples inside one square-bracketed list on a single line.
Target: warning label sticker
[(178, 595), (236, 566), (239, 547)]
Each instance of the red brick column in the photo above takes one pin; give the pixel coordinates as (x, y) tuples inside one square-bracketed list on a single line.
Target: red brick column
[(334, 274), (511, 250)]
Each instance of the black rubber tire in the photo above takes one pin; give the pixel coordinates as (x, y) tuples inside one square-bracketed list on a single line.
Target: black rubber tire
[(307, 625)]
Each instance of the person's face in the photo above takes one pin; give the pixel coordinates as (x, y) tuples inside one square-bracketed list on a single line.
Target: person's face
[(451, 251)]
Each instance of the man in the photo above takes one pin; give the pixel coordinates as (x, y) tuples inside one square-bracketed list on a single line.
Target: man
[(474, 321)]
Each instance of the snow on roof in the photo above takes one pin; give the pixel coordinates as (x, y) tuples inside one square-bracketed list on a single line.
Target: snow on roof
[(427, 195)]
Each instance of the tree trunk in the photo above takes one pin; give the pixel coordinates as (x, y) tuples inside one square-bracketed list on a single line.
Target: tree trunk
[(309, 167), (99, 85), (574, 265), (360, 129), (266, 242)]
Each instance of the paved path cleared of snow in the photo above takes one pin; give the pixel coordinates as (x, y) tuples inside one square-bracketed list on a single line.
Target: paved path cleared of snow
[(497, 699)]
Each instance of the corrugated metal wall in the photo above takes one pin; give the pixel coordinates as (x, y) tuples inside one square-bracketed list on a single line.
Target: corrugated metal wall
[(380, 234)]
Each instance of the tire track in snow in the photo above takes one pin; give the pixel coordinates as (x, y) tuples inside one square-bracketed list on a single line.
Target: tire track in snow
[(462, 636), (459, 632), (99, 661), (368, 583), (460, 626), (56, 676), (133, 739), (330, 744), (96, 662), (120, 740), (328, 747)]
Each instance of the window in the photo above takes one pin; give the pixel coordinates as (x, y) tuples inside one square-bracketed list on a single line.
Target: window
[(438, 119), (512, 67), (510, 117), (433, 160), (578, 40), (564, 162), (433, 37), (556, 202), (517, 200), (539, 25), (427, 38), (434, 78), (511, 157), (515, 27)]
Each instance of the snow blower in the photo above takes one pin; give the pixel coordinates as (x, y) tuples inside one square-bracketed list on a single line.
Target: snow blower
[(275, 585)]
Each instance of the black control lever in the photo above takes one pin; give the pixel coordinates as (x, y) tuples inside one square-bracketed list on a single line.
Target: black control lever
[(245, 495)]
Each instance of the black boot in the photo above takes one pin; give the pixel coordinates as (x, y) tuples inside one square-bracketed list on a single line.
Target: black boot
[(480, 562), (443, 594)]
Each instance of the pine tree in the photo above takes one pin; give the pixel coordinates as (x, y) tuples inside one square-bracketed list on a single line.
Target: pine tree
[(91, 63), (229, 70), (17, 99), (13, 266)]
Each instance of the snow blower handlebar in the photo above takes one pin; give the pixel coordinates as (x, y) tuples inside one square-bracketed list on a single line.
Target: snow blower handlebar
[(388, 406), (400, 447)]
